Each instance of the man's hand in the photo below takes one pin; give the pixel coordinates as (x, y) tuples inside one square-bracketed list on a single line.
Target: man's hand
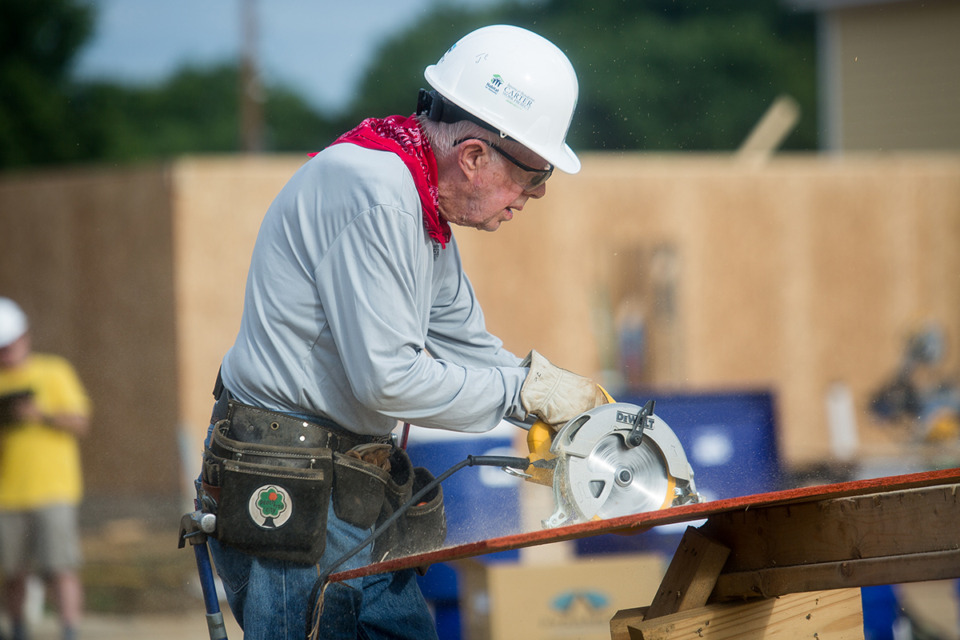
[(556, 395)]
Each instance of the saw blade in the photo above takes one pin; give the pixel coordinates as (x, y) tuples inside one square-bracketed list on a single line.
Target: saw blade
[(599, 475), (616, 480)]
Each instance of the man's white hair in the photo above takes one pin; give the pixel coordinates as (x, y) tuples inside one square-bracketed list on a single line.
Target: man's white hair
[(442, 136)]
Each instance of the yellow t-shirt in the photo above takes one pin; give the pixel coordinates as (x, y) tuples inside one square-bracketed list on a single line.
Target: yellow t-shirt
[(40, 465)]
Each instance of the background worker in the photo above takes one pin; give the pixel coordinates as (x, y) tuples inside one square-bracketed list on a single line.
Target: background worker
[(358, 314), (43, 410)]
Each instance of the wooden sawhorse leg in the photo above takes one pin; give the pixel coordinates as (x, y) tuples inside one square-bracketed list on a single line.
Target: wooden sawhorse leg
[(680, 611)]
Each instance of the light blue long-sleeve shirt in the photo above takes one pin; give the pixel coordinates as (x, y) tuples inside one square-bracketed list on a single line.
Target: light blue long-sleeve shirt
[(352, 312)]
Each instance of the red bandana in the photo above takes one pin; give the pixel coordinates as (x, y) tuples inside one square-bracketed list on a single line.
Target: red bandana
[(403, 136)]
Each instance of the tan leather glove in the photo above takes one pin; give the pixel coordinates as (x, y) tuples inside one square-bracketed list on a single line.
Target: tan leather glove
[(556, 395), (374, 453)]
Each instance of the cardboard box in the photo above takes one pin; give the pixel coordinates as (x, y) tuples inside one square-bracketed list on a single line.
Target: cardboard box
[(572, 600)]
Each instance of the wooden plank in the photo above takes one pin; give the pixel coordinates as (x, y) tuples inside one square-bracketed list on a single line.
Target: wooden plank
[(769, 132), (777, 581), (620, 622), (691, 576), (825, 615), (882, 524), (641, 522)]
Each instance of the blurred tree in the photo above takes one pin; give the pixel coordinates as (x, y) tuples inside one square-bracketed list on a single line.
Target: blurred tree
[(293, 125), (195, 111), (38, 39), (654, 75), (45, 118)]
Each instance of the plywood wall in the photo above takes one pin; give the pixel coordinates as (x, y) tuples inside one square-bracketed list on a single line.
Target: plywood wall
[(786, 276), (218, 206), (87, 253)]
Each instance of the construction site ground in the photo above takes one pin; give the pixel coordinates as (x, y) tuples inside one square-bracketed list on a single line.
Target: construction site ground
[(186, 625), (137, 584), (140, 585)]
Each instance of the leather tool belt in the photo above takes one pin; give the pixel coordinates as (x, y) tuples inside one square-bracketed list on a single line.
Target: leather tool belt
[(271, 476)]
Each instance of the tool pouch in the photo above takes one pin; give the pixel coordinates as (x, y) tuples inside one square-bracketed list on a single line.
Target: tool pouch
[(273, 499), (398, 490), (367, 495), (425, 523), (358, 490)]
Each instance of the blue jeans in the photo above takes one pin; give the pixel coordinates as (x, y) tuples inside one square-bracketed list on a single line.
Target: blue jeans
[(270, 598)]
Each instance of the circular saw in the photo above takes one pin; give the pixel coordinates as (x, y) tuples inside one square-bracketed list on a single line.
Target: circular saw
[(614, 460)]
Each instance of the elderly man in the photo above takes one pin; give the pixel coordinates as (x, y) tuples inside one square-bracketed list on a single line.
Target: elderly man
[(358, 315)]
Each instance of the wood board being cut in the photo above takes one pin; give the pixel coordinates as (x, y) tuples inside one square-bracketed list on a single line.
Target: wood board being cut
[(727, 510)]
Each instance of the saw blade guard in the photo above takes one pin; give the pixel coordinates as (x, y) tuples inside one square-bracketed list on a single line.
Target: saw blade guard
[(600, 475)]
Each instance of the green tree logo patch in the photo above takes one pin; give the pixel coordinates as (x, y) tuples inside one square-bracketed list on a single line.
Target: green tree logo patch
[(270, 506)]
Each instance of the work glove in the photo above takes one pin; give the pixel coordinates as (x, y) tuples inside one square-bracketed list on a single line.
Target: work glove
[(375, 453), (556, 395)]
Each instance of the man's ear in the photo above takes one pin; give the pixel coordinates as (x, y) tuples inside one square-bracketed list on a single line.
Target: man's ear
[(472, 155)]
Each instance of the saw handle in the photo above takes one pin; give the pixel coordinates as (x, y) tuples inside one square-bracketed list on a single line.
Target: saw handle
[(645, 416)]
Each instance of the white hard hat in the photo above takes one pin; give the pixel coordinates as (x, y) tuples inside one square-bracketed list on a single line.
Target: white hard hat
[(13, 322), (514, 82)]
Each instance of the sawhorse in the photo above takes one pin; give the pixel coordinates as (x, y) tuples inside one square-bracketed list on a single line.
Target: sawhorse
[(793, 569)]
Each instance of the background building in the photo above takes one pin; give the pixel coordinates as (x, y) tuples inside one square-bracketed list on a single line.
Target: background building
[(889, 74)]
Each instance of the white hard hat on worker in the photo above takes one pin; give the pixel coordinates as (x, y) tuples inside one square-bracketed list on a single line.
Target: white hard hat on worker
[(13, 322), (512, 82)]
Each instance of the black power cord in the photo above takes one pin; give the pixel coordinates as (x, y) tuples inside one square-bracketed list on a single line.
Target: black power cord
[(314, 610)]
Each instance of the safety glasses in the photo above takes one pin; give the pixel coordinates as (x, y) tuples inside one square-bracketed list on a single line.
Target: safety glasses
[(539, 175)]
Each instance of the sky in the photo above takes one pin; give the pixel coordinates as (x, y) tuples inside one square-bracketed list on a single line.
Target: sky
[(319, 48)]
